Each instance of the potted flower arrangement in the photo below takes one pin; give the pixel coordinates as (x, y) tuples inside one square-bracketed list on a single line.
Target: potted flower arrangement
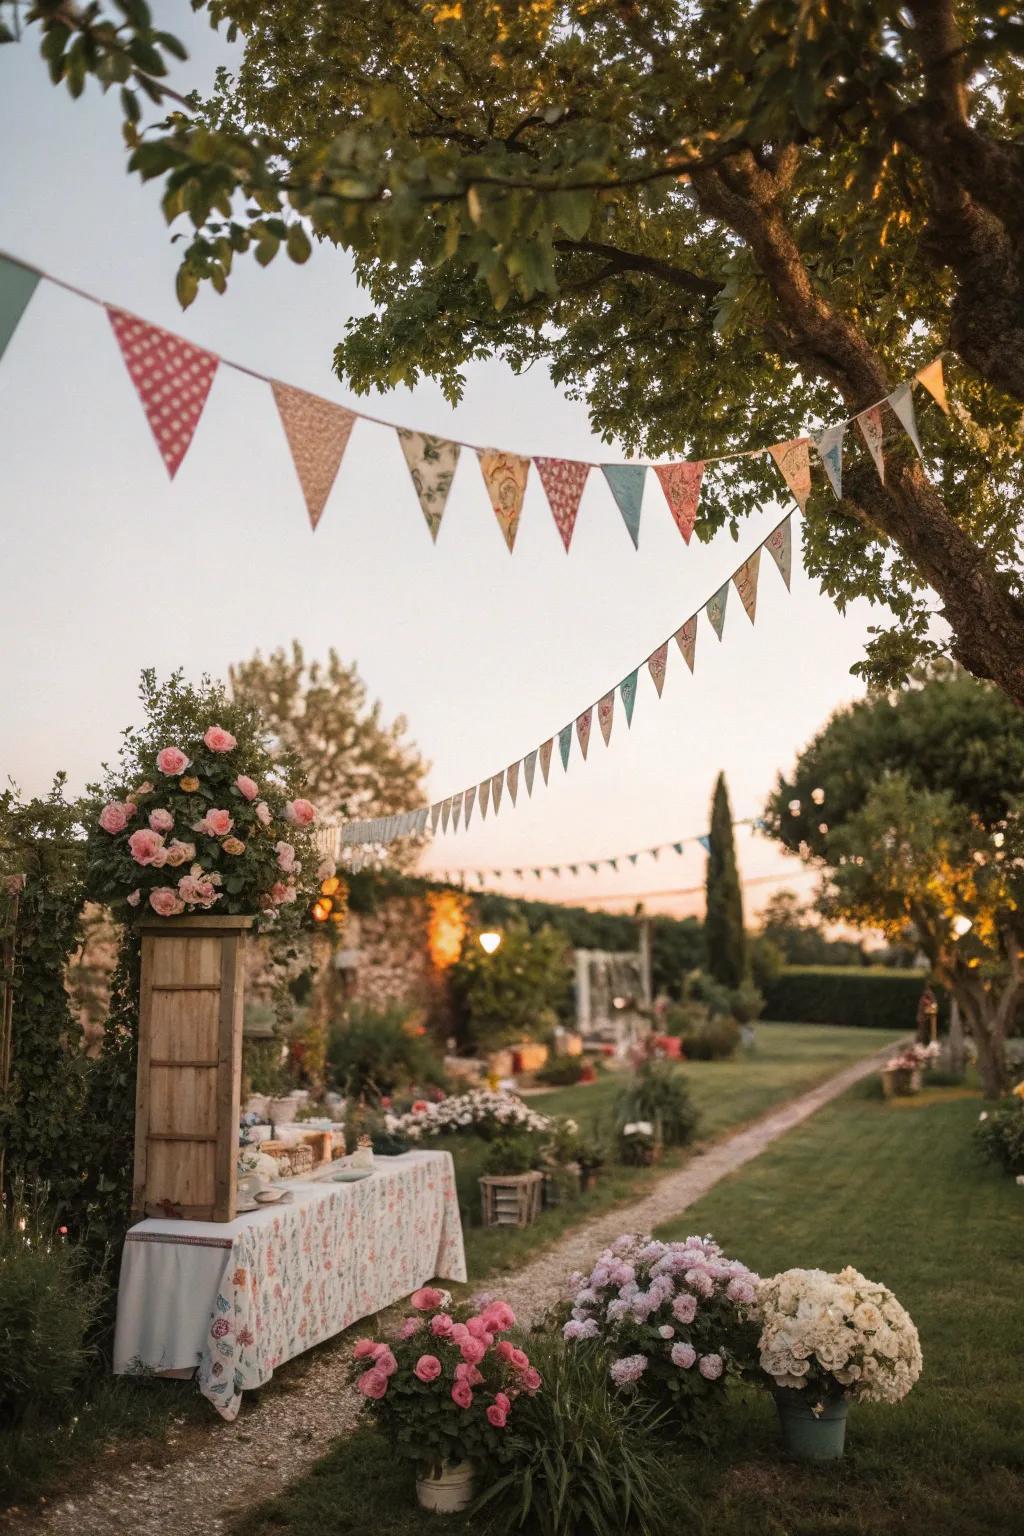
[(901, 1075), (676, 1319), (511, 1184), (826, 1340), (444, 1390), (639, 1143)]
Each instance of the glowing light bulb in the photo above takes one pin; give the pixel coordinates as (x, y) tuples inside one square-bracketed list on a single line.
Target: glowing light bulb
[(489, 942)]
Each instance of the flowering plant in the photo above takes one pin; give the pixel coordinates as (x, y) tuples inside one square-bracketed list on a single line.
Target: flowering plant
[(913, 1057), (200, 815), (444, 1388), (481, 1111), (677, 1318), (837, 1334)]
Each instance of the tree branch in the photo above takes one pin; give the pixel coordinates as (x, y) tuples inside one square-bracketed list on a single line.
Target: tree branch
[(632, 261)]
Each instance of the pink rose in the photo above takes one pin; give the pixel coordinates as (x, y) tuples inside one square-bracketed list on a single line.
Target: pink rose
[(411, 1326), (145, 845), (161, 821), (164, 901), (172, 761), (135, 897), (441, 1325), (473, 1351), (667, 1331), (684, 1308), (427, 1368), (496, 1417), (385, 1361), (300, 812), (364, 1349), (502, 1401), (477, 1327), (428, 1298), (505, 1350), (711, 1366), (532, 1379), (373, 1383), (263, 813), (462, 1395), (499, 1317), (219, 740), (683, 1355), (198, 889), (285, 857), (215, 824), (325, 869), (459, 1333), (518, 1360), (179, 853), (247, 787), (114, 818), (469, 1374)]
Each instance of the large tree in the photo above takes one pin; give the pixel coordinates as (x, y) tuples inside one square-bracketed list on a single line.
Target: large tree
[(724, 934), (718, 220), (911, 806)]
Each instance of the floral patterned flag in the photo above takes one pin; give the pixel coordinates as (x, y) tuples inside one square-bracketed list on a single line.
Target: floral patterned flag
[(318, 434), (656, 665), (446, 812), (794, 461), (746, 583), (456, 811), (172, 378), (17, 285), (484, 795), (468, 801), (715, 609), (681, 484), (497, 783), (505, 477), (902, 402), (829, 445), (529, 769), (431, 462), (626, 483), (435, 816), (545, 757), (606, 714), (873, 432), (563, 480), (932, 378), (686, 639), (583, 725), (512, 780), (627, 688), (565, 745), (779, 545)]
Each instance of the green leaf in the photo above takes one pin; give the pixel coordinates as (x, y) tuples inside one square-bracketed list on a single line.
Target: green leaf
[(298, 245), (186, 285)]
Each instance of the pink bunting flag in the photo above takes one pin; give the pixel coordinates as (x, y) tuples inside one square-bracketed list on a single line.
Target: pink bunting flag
[(779, 545), (544, 753), (172, 378), (456, 811), (563, 480), (318, 434), (583, 724), (745, 581), (484, 793), (873, 433), (794, 462), (605, 715), (505, 477), (681, 484), (686, 639), (656, 665), (512, 780), (931, 377), (468, 801), (496, 787)]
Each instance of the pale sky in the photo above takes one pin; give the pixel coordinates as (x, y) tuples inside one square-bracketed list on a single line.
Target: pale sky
[(106, 566)]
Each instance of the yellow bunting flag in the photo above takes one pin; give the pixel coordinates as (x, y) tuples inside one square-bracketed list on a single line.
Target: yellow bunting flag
[(505, 477)]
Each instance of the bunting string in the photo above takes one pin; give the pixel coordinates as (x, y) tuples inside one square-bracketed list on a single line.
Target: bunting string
[(173, 377)]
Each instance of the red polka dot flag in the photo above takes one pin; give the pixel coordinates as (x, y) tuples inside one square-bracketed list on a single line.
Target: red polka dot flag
[(172, 379)]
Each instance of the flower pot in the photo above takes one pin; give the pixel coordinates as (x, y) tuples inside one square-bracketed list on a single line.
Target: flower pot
[(447, 1491), (257, 1104), (900, 1082), (809, 1435), (283, 1111)]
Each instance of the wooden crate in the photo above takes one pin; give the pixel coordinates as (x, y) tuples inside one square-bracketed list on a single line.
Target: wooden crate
[(190, 1067), (511, 1200)]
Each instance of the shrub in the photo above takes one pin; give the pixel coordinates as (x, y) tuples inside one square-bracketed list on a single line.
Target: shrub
[(381, 1051), (563, 1071), (512, 1155), (1000, 1135), (514, 994), (658, 1092), (579, 1459), (852, 995), (714, 1041)]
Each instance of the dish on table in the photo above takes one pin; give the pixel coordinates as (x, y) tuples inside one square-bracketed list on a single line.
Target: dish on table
[(350, 1175)]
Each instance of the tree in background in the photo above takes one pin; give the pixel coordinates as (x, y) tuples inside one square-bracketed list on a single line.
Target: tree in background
[(719, 223), (723, 925), (910, 805), (356, 765), (794, 928), (517, 993)]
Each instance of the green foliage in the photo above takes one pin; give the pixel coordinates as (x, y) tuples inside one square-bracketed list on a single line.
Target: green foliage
[(512, 1155), (715, 1040), (797, 937), (561, 1071), (514, 994), (1001, 1136), (582, 1460), (381, 1051), (262, 1068), (658, 1091), (856, 996), (724, 934)]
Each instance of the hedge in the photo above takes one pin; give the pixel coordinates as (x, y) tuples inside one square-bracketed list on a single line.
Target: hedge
[(860, 996)]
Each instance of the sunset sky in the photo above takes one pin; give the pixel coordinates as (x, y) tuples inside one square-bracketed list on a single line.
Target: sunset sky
[(107, 566)]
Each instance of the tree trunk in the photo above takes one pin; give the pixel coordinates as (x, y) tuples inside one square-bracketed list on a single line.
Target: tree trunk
[(985, 1017)]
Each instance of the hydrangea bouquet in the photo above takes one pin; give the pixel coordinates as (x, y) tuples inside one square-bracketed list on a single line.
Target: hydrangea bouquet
[(444, 1387), (200, 815), (837, 1335), (677, 1318)]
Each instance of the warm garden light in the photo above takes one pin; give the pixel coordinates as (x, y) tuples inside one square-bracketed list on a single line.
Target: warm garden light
[(489, 942), (962, 925)]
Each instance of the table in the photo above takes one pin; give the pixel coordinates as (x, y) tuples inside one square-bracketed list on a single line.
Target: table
[(236, 1299)]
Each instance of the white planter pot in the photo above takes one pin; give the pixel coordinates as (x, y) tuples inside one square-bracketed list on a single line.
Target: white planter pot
[(449, 1491), (283, 1111), (257, 1104)]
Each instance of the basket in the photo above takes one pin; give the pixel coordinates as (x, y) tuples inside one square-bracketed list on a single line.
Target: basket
[(302, 1158), (511, 1200), (282, 1155)]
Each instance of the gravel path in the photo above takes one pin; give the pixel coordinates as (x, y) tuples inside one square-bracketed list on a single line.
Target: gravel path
[(217, 1471)]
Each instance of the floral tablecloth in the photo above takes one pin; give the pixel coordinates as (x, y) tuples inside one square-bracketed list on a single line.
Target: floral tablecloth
[(238, 1299)]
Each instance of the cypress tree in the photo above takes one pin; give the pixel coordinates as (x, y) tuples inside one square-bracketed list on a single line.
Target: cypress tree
[(724, 934)]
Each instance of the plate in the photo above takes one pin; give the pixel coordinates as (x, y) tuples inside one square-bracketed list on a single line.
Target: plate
[(351, 1175), (268, 1196)]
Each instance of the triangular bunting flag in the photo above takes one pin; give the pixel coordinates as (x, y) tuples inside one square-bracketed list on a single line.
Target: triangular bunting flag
[(902, 402), (606, 714), (563, 480), (677, 847), (172, 378), (656, 664), (745, 580), (518, 874), (456, 812), (421, 819), (686, 639), (873, 433), (613, 864), (930, 376), (505, 478), (705, 843), (565, 745), (627, 688), (715, 609), (484, 796), (594, 867), (529, 769), (318, 434), (17, 285), (626, 483), (583, 724), (446, 811), (435, 816), (829, 445), (779, 545), (512, 780), (544, 753), (468, 801), (654, 853), (537, 873), (633, 857), (431, 462), (573, 869), (681, 484), (496, 787), (794, 461)]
